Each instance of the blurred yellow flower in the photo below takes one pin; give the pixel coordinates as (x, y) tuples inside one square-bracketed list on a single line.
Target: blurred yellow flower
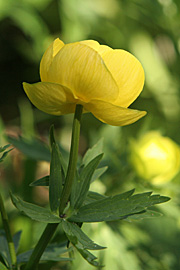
[(103, 80), (155, 158)]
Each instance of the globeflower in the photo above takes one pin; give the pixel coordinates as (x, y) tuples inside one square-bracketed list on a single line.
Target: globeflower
[(155, 158), (104, 81)]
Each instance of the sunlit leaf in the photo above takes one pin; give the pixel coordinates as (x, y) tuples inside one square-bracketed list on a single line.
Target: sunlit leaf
[(93, 152), (2, 266)]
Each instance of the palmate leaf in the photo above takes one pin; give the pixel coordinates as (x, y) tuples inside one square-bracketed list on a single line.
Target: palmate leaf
[(116, 207), (81, 241), (34, 212)]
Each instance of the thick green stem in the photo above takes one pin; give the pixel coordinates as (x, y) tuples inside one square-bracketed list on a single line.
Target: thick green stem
[(8, 234), (41, 245), (72, 159), (50, 228)]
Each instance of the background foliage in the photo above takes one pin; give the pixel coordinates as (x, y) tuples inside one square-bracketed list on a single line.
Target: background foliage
[(150, 30)]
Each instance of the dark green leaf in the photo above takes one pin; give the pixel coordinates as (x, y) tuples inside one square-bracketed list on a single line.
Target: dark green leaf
[(51, 253), (35, 212), (146, 214), (2, 266), (89, 257), (81, 185), (34, 149), (51, 136), (76, 236), (44, 181), (92, 197), (16, 240), (55, 179), (4, 250), (93, 152), (117, 207), (52, 140)]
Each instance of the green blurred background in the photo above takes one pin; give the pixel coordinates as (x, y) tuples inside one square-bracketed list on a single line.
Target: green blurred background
[(150, 30)]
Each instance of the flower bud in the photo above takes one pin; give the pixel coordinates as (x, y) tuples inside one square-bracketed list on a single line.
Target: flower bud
[(155, 158)]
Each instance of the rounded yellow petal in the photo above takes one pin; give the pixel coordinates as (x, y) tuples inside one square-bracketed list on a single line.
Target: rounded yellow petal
[(81, 69), (91, 43), (128, 74), (50, 98), (112, 114), (104, 49), (48, 57)]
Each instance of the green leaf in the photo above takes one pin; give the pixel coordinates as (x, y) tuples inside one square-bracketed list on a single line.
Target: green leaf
[(93, 152), (76, 235), (81, 185), (89, 257), (92, 197), (2, 149), (98, 172), (51, 136), (55, 179), (34, 149), (2, 266), (4, 251), (51, 253), (81, 242), (52, 141), (34, 212), (117, 207), (44, 181), (146, 214), (16, 240)]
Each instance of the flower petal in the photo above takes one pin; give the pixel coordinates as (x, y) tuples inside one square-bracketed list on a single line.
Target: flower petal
[(127, 72), (48, 56), (104, 49), (112, 114), (91, 43), (50, 98), (81, 69)]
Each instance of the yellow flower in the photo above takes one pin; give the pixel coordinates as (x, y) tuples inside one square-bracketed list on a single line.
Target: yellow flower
[(103, 80), (155, 158)]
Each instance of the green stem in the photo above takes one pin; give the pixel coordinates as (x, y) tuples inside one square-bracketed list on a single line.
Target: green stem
[(72, 158), (51, 227), (41, 245), (8, 234)]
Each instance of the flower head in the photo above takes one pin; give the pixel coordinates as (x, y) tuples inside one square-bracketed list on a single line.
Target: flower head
[(103, 80), (155, 158)]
